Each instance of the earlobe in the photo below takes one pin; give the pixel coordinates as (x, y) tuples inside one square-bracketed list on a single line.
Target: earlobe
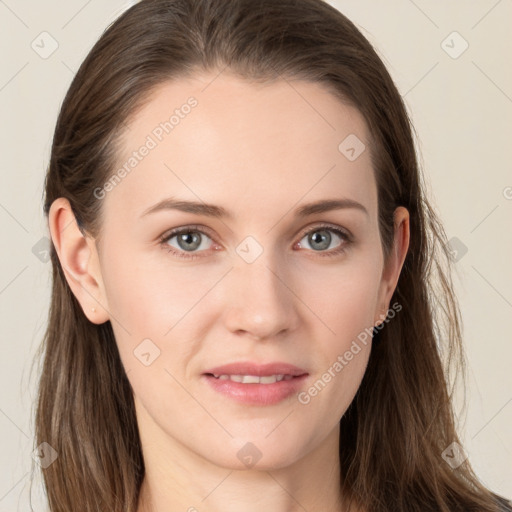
[(79, 260), (393, 266)]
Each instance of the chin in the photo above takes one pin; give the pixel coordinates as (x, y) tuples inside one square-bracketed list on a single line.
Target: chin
[(255, 452)]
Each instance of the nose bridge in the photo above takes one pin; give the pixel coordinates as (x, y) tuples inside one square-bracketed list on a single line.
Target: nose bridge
[(260, 302)]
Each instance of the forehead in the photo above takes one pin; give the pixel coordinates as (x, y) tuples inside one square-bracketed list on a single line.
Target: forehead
[(244, 145)]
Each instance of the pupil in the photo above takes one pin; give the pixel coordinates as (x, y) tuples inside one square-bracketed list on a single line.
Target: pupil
[(188, 238), (323, 238)]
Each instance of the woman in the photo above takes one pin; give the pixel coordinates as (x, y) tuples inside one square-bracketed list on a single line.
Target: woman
[(282, 350)]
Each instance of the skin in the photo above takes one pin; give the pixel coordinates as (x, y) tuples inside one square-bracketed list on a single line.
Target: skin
[(259, 151)]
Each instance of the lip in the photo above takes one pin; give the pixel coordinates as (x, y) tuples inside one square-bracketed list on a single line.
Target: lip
[(260, 370), (257, 394)]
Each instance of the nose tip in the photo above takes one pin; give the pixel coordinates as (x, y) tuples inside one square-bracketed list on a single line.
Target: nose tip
[(260, 304), (259, 327)]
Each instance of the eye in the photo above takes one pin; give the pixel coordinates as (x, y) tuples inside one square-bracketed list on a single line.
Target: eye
[(320, 238), (185, 242), (190, 241)]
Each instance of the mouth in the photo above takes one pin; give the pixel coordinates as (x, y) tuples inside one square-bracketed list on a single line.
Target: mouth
[(253, 384), (253, 379), (250, 369)]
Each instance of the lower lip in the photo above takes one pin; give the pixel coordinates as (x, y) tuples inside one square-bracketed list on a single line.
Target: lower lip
[(257, 394)]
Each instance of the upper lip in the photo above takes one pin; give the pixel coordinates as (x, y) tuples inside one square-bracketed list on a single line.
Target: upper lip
[(260, 370)]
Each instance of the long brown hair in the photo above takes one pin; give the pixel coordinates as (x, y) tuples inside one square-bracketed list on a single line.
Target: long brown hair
[(401, 419)]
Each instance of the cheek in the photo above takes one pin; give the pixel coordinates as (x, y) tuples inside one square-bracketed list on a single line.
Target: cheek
[(343, 301), (146, 295), (342, 297), (149, 299)]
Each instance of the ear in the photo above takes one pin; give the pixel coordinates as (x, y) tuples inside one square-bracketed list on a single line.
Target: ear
[(78, 257), (393, 266)]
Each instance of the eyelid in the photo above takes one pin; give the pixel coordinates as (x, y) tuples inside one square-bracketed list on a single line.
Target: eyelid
[(326, 225), (182, 229)]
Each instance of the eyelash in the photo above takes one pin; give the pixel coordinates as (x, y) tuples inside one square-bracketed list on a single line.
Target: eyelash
[(164, 239)]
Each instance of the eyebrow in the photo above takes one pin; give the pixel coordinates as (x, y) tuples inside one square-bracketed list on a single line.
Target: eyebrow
[(211, 210)]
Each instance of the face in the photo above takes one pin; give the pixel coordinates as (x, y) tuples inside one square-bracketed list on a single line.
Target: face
[(255, 277)]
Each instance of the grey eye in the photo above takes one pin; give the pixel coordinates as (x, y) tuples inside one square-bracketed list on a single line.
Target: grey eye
[(188, 240), (320, 239)]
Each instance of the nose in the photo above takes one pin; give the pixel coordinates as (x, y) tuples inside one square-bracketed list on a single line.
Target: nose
[(259, 300)]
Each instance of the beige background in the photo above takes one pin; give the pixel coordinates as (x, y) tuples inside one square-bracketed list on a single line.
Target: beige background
[(462, 111)]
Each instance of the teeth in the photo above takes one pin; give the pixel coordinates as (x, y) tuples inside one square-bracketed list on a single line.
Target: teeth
[(254, 379)]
